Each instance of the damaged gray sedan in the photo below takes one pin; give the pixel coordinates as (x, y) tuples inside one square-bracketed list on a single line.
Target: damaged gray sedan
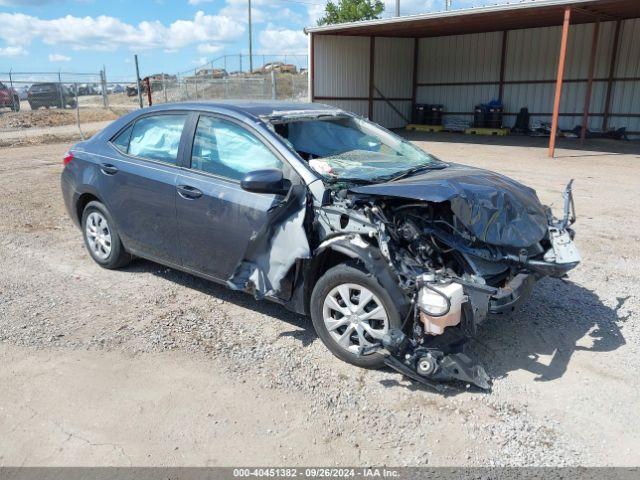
[(397, 256)]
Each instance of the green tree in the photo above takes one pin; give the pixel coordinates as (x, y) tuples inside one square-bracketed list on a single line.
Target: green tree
[(351, 11)]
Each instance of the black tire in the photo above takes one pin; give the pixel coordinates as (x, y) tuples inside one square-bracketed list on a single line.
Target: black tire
[(343, 274), (15, 105), (117, 256)]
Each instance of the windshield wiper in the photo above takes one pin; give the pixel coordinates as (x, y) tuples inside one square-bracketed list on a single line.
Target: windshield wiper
[(420, 168)]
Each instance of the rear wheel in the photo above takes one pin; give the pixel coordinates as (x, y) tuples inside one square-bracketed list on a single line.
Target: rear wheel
[(15, 105), (350, 310), (101, 237)]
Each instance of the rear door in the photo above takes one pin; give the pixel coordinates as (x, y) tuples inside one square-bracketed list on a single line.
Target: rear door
[(139, 182), (216, 218)]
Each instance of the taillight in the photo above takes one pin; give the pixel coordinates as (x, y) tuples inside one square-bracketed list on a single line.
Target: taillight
[(67, 158)]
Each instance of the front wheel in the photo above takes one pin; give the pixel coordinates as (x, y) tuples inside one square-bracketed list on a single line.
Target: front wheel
[(350, 310), (101, 237)]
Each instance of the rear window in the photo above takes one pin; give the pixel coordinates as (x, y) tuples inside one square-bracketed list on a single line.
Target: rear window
[(154, 138), (121, 141)]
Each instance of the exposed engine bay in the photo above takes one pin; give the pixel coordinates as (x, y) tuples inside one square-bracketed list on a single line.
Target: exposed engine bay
[(453, 278), (452, 245)]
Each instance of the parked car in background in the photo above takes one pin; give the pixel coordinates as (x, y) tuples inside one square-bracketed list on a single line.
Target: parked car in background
[(212, 73), (87, 89), (278, 67), (397, 256), (132, 90), (50, 95), (9, 98)]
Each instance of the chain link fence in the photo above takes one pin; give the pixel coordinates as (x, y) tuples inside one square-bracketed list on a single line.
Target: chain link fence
[(274, 86), (75, 105)]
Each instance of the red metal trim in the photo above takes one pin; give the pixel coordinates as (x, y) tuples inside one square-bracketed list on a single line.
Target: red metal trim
[(503, 62), (592, 66), (612, 71), (372, 58), (558, 95)]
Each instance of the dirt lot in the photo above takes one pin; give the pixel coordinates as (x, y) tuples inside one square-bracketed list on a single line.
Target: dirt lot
[(54, 117), (149, 366)]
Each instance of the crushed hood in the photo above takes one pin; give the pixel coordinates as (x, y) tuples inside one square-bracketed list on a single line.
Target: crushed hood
[(496, 209)]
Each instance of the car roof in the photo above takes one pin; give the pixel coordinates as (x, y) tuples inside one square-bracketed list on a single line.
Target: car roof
[(252, 108)]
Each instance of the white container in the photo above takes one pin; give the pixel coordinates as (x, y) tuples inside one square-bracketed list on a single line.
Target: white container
[(431, 302)]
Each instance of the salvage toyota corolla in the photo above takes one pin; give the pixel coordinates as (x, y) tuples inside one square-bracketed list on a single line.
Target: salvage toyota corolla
[(397, 256)]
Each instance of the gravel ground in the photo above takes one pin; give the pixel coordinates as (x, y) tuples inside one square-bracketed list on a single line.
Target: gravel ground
[(54, 117), (149, 366)]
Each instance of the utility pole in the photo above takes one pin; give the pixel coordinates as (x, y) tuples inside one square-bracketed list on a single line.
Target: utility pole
[(447, 5), (250, 42), (138, 81), (397, 8)]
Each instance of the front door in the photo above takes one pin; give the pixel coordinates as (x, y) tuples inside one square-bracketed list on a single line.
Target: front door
[(216, 218)]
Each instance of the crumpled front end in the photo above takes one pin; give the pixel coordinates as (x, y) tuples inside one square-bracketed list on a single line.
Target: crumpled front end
[(456, 263), (451, 252)]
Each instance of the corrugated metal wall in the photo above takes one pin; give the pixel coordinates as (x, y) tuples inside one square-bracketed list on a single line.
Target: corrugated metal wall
[(625, 96), (532, 55), (341, 74), (472, 64), (392, 56)]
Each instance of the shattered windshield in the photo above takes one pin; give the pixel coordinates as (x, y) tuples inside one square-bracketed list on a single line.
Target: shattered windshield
[(345, 148)]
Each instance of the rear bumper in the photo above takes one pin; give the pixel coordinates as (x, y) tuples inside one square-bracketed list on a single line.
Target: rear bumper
[(70, 196)]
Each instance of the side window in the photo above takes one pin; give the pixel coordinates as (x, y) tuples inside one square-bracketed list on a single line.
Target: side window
[(121, 141), (224, 148), (157, 137)]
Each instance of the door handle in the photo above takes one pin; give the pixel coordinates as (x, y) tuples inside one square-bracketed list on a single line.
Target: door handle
[(189, 192), (108, 169)]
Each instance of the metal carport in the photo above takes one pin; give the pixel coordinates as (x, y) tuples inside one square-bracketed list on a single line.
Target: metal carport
[(568, 61)]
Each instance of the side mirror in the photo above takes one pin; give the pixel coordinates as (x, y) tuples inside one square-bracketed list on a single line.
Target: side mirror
[(265, 181)]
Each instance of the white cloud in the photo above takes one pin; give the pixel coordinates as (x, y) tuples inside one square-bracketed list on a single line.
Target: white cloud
[(12, 51), (201, 61), (109, 33), (56, 57), (238, 10), (283, 40), (412, 7), (315, 13), (209, 48)]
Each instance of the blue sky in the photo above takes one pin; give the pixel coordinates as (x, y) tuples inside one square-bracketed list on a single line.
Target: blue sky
[(168, 35)]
